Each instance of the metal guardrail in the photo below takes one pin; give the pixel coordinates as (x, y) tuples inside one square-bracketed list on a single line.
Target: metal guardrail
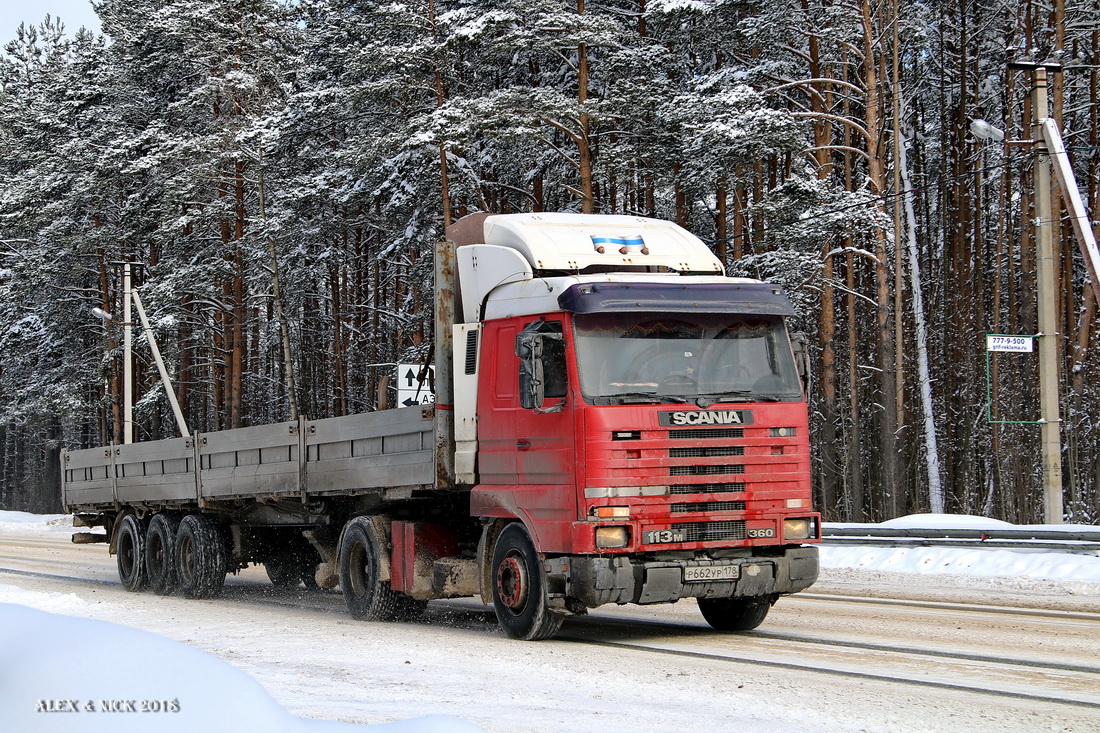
[(1083, 542)]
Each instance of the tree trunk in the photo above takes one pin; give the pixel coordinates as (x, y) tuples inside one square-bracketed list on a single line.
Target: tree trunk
[(889, 476), (827, 445), (584, 142)]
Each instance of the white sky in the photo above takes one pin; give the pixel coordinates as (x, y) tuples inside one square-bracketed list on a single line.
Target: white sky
[(73, 13)]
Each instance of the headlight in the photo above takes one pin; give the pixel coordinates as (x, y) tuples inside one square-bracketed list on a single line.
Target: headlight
[(612, 537), (798, 529)]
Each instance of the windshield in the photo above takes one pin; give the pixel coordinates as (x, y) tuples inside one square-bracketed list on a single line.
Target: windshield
[(638, 358)]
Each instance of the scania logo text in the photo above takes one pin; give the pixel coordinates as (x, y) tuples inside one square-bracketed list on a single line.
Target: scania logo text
[(706, 417)]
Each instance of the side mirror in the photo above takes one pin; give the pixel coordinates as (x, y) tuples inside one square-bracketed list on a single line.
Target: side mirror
[(800, 344), (532, 385)]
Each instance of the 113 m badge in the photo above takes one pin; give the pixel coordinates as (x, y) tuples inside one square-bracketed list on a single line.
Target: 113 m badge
[(660, 536)]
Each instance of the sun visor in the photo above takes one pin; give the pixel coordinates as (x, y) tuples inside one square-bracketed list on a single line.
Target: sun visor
[(748, 298)]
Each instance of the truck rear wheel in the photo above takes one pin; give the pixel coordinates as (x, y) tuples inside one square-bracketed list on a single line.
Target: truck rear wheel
[(130, 553), (288, 570), (519, 591), (368, 597), (735, 614), (160, 550), (201, 557)]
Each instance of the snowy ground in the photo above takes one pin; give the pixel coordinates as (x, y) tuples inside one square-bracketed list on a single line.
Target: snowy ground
[(44, 665), (139, 681)]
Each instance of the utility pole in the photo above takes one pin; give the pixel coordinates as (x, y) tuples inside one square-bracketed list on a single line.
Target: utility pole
[(131, 299), (1049, 418), (127, 365)]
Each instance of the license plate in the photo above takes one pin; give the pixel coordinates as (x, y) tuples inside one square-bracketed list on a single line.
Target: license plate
[(704, 573)]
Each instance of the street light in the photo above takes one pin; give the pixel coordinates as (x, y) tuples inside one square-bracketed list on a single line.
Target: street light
[(985, 131)]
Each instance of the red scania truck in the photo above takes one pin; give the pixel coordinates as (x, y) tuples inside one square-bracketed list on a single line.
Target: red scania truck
[(615, 422)]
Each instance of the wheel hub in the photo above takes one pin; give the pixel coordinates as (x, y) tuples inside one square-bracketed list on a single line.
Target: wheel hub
[(186, 557), (512, 582)]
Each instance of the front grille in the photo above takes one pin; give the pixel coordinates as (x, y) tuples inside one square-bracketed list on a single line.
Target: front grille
[(735, 488), (711, 531), (709, 506), (715, 470), (713, 452), (705, 433)]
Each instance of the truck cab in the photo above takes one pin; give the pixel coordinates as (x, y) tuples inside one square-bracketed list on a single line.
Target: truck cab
[(631, 421)]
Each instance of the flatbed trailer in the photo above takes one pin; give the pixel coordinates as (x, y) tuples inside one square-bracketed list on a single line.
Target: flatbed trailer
[(616, 422)]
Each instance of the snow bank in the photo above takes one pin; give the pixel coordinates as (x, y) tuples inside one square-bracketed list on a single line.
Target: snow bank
[(53, 602), (62, 673), (959, 521), (39, 522), (945, 521)]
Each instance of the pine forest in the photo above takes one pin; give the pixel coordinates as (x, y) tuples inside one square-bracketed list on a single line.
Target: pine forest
[(279, 172)]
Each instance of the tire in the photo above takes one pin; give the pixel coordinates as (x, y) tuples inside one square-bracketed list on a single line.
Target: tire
[(287, 570), (736, 614), (160, 552), (367, 596), (282, 573), (200, 556), (519, 590), (130, 553)]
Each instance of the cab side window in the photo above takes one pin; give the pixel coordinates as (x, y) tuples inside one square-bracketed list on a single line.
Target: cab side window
[(551, 375), (553, 361)]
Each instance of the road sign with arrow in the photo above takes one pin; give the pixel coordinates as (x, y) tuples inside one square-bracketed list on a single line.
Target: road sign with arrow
[(411, 391)]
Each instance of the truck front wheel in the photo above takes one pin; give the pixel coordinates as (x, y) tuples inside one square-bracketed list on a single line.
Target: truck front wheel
[(736, 614), (519, 591), (130, 553), (201, 557)]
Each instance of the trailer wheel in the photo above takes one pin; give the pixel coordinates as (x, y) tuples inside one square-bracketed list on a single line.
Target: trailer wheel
[(519, 591), (201, 557), (368, 597), (282, 573), (735, 614), (160, 550), (130, 549), (288, 570)]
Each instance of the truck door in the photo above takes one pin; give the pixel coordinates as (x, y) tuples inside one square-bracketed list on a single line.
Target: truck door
[(544, 436), (518, 445)]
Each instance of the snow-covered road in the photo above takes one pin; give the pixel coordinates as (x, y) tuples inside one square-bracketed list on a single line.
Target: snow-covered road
[(896, 667)]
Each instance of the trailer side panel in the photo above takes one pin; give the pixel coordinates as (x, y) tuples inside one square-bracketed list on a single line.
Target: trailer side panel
[(342, 455)]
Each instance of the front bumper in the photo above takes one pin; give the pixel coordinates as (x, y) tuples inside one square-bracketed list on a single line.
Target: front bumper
[(596, 580)]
